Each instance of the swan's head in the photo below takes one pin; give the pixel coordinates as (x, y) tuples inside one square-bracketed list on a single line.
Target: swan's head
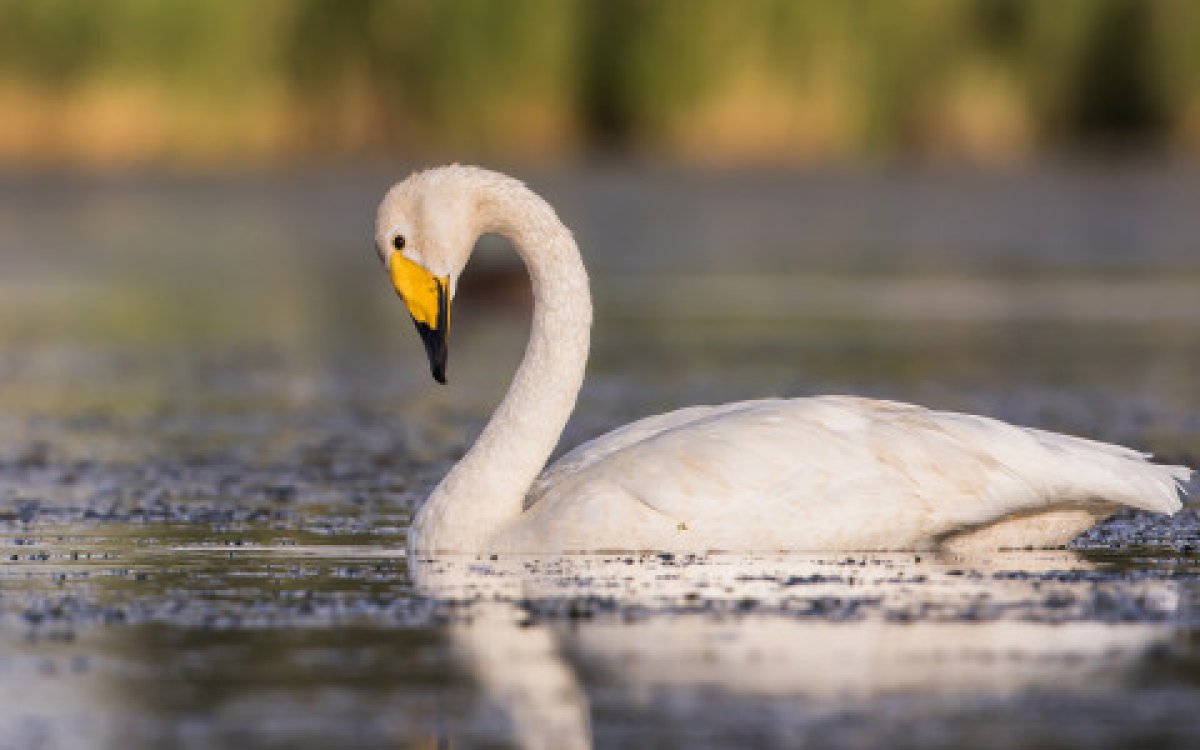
[(424, 233)]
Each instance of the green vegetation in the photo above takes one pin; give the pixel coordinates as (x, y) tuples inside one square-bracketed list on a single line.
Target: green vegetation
[(212, 81)]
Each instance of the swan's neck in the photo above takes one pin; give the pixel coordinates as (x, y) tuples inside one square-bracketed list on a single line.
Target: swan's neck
[(486, 490)]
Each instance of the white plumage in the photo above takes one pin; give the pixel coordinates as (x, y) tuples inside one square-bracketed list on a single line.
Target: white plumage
[(823, 473), (830, 473)]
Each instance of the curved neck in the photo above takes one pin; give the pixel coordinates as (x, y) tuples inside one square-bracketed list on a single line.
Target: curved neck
[(486, 490)]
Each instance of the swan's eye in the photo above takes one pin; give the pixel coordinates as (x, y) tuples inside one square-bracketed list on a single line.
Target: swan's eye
[(398, 242)]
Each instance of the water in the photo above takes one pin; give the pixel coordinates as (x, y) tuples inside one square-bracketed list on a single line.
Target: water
[(216, 420)]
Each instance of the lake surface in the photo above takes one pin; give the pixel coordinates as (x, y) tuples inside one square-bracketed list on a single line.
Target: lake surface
[(216, 421)]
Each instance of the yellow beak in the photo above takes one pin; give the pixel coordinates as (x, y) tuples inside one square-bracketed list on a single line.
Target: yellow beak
[(428, 300)]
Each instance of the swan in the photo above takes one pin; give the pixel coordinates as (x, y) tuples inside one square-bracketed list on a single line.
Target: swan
[(821, 473)]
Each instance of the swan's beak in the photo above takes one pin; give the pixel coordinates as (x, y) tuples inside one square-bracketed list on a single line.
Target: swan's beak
[(428, 300)]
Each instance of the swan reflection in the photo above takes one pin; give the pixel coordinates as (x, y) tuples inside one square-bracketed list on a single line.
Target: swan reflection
[(823, 630)]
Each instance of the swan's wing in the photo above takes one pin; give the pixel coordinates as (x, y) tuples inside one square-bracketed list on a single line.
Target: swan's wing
[(599, 448), (832, 473)]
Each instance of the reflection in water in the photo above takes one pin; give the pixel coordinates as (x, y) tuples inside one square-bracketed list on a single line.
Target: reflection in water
[(146, 636), (522, 669), (819, 629)]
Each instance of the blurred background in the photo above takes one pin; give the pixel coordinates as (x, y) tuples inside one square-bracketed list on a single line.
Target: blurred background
[(226, 83), (769, 184)]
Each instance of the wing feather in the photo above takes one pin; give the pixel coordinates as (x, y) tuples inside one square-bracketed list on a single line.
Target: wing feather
[(839, 472)]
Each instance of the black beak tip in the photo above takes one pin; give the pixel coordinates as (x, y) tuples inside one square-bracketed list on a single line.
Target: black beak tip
[(436, 349)]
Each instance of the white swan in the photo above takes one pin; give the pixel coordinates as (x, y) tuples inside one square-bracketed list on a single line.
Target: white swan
[(824, 473)]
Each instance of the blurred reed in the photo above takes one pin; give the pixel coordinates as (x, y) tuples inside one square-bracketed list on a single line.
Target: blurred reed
[(219, 82)]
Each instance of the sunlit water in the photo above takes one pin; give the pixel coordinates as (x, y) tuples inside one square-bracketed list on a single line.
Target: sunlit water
[(215, 422)]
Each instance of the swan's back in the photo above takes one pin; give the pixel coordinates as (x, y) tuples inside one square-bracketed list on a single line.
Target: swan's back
[(832, 473)]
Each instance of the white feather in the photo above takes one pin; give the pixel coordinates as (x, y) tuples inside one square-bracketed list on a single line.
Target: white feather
[(827, 473)]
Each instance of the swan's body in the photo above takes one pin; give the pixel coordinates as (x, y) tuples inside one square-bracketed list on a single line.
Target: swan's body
[(829, 473), (824, 473)]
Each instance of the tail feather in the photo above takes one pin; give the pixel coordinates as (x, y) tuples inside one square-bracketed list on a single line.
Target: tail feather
[(1125, 475), (1181, 477)]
